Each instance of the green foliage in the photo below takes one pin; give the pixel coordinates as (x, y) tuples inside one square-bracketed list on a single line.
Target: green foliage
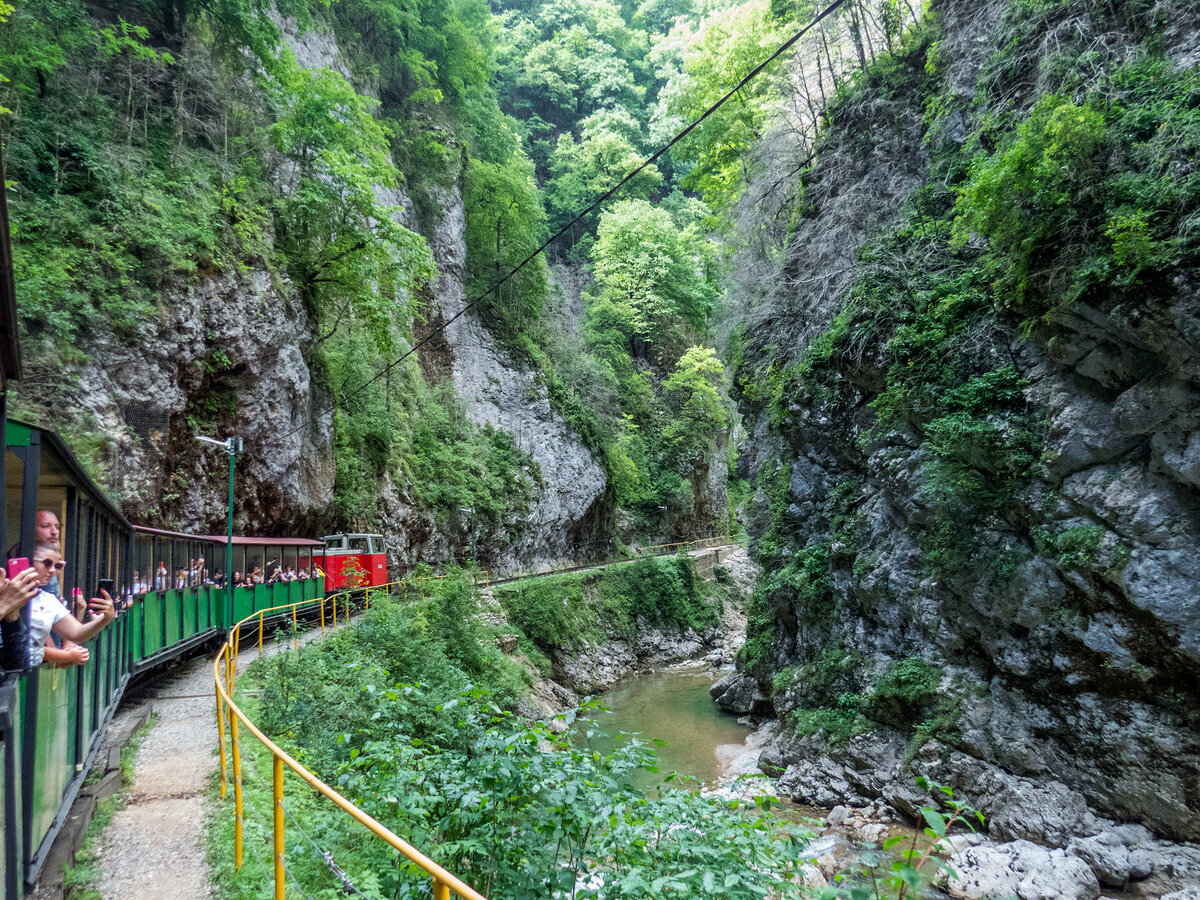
[(698, 412), (1094, 195), (571, 610), (715, 57), (349, 256), (1074, 547), (505, 223), (401, 712), (906, 692)]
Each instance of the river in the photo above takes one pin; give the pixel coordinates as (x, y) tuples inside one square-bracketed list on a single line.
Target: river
[(673, 705)]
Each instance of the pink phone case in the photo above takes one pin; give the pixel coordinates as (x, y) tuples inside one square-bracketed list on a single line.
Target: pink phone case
[(17, 566)]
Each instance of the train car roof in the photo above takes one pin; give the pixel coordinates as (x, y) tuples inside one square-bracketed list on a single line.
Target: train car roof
[(24, 434), (10, 345)]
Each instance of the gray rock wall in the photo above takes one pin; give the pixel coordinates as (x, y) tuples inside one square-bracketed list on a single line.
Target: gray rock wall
[(1076, 678)]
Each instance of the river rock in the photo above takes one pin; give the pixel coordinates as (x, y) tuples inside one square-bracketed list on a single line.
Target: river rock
[(1046, 814), (1020, 869), (1119, 855), (739, 694)]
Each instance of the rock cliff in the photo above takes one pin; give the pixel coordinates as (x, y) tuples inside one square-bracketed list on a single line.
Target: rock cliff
[(1028, 632), (233, 352)]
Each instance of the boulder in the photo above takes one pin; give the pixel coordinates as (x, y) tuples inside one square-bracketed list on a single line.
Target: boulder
[(1049, 814), (1020, 869), (1118, 855)]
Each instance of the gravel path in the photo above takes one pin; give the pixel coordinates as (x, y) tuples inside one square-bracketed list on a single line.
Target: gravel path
[(155, 848)]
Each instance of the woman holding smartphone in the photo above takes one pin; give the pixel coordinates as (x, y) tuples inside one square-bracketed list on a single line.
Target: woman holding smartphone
[(47, 613)]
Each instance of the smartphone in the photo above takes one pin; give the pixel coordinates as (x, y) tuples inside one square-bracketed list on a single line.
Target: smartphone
[(17, 566), (106, 584)]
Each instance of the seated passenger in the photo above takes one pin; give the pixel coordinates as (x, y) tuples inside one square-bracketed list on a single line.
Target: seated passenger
[(46, 612), (14, 594)]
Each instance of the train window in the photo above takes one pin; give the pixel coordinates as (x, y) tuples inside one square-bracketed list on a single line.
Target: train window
[(142, 564), (304, 561), (360, 543), (255, 562), (378, 545), (335, 542)]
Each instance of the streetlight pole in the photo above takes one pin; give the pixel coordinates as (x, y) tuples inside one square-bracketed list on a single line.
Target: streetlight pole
[(471, 510), (232, 446)]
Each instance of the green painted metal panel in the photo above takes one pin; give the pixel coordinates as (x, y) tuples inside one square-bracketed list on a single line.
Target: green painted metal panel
[(152, 623), (136, 615), (171, 609), (189, 611), (16, 434), (243, 603), (54, 759)]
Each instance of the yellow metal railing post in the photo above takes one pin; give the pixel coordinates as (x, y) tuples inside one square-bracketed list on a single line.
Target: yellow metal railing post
[(440, 891), (322, 617), (237, 793), (295, 631), (277, 779), (221, 729), (347, 609), (260, 634), (335, 612)]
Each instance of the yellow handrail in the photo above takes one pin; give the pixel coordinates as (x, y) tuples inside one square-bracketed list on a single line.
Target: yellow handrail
[(443, 881)]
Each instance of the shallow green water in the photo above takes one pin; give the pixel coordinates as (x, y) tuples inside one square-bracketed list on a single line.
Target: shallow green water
[(674, 706)]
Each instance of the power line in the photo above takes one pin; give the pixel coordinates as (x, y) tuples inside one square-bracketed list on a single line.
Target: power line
[(783, 48)]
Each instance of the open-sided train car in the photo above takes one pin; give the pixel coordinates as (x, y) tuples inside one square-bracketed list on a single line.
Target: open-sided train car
[(52, 720)]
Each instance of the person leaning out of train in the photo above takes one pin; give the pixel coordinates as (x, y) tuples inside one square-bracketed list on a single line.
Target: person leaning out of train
[(46, 613), (14, 594)]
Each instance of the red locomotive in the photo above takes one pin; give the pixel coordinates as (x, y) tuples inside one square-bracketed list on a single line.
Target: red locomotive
[(354, 560)]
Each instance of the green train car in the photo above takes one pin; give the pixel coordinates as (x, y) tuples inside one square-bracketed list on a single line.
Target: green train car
[(52, 720)]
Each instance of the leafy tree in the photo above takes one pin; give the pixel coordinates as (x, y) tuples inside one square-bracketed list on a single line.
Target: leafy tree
[(649, 278), (698, 412), (726, 47), (505, 223), (583, 171), (343, 246)]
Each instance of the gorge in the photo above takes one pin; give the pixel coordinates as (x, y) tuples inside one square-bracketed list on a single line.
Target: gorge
[(916, 310)]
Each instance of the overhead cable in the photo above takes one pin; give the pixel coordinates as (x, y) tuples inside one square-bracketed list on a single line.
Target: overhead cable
[(650, 160)]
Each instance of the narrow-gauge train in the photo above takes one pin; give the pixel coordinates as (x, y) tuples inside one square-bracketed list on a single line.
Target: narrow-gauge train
[(52, 720)]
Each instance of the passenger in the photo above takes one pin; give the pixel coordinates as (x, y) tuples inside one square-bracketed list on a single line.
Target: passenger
[(160, 577), (219, 579), (61, 652), (45, 531), (46, 612), (14, 594)]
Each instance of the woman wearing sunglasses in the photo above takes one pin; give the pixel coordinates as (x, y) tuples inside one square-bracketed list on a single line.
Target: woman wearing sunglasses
[(46, 614)]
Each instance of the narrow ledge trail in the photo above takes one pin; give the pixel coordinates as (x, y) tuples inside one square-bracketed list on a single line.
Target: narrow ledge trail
[(155, 845)]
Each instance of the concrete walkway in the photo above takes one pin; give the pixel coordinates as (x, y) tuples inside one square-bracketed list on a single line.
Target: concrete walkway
[(155, 846)]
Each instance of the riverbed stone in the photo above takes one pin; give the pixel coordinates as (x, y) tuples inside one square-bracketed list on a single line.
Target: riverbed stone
[(740, 694), (1047, 814), (1020, 869), (1117, 855)]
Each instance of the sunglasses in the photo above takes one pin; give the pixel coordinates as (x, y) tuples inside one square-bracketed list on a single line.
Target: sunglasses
[(51, 564)]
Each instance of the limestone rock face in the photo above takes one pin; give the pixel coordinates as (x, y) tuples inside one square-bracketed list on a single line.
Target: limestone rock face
[(568, 509), (241, 339), (1066, 645)]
